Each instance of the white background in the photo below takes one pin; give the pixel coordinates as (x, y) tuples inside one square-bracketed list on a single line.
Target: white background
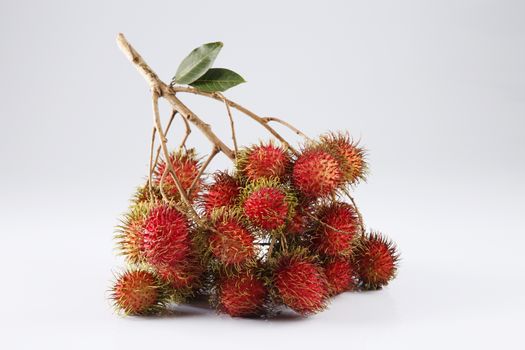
[(435, 90)]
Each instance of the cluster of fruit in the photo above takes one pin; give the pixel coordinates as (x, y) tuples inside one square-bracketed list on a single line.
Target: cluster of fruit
[(277, 232)]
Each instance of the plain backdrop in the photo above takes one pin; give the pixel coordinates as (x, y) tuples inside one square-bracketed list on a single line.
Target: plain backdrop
[(435, 90)]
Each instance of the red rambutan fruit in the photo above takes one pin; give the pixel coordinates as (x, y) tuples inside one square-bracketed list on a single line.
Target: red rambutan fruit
[(182, 275), (267, 207), (298, 224), (137, 292), (376, 260), (187, 169), (241, 295), (316, 173), (340, 275), (129, 234), (301, 285), (221, 194), (353, 163), (336, 230), (264, 161), (166, 236), (231, 243)]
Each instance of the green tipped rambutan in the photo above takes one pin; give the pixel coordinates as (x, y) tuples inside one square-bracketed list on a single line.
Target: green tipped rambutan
[(263, 161), (241, 295), (138, 292), (166, 237), (186, 168), (221, 194), (353, 158), (337, 228), (268, 204), (316, 173), (230, 242), (301, 284), (340, 275), (376, 260), (130, 233)]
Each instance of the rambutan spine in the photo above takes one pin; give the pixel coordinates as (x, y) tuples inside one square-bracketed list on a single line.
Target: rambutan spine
[(336, 229), (265, 160), (352, 158), (230, 242), (241, 295)]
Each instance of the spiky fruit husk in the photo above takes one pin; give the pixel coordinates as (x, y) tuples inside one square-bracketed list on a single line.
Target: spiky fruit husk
[(144, 194), (231, 243), (353, 163), (301, 285), (137, 292), (263, 161), (336, 230), (299, 223), (376, 260), (130, 239), (267, 207), (241, 295), (182, 275), (166, 236), (186, 168), (340, 275), (316, 173), (221, 194)]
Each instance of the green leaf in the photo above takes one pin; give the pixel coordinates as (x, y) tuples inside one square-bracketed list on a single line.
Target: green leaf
[(197, 63), (218, 79)]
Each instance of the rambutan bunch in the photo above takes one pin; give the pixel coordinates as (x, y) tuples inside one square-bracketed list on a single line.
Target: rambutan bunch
[(376, 260), (280, 230), (138, 292), (268, 204), (351, 157), (186, 167), (263, 161)]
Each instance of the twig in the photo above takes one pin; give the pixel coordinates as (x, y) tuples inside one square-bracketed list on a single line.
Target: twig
[(169, 94), (288, 125), (270, 248), (186, 135), (213, 153), (238, 107), (358, 212), (232, 126), (172, 116), (151, 166)]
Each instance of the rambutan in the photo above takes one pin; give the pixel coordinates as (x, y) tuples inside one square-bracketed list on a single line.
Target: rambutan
[(166, 236), (353, 162), (267, 204), (336, 230), (230, 242), (298, 224), (316, 173), (137, 292), (182, 275), (129, 236), (263, 161), (221, 194), (301, 284), (340, 275), (241, 295), (186, 168), (376, 260)]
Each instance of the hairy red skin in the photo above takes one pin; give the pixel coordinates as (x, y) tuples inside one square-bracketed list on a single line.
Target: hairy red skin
[(241, 295), (298, 224), (267, 208), (316, 173), (166, 236), (340, 276), (231, 243), (301, 285), (182, 275), (266, 161), (337, 229), (376, 260), (354, 165), (186, 168), (221, 194), (136, 292)]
